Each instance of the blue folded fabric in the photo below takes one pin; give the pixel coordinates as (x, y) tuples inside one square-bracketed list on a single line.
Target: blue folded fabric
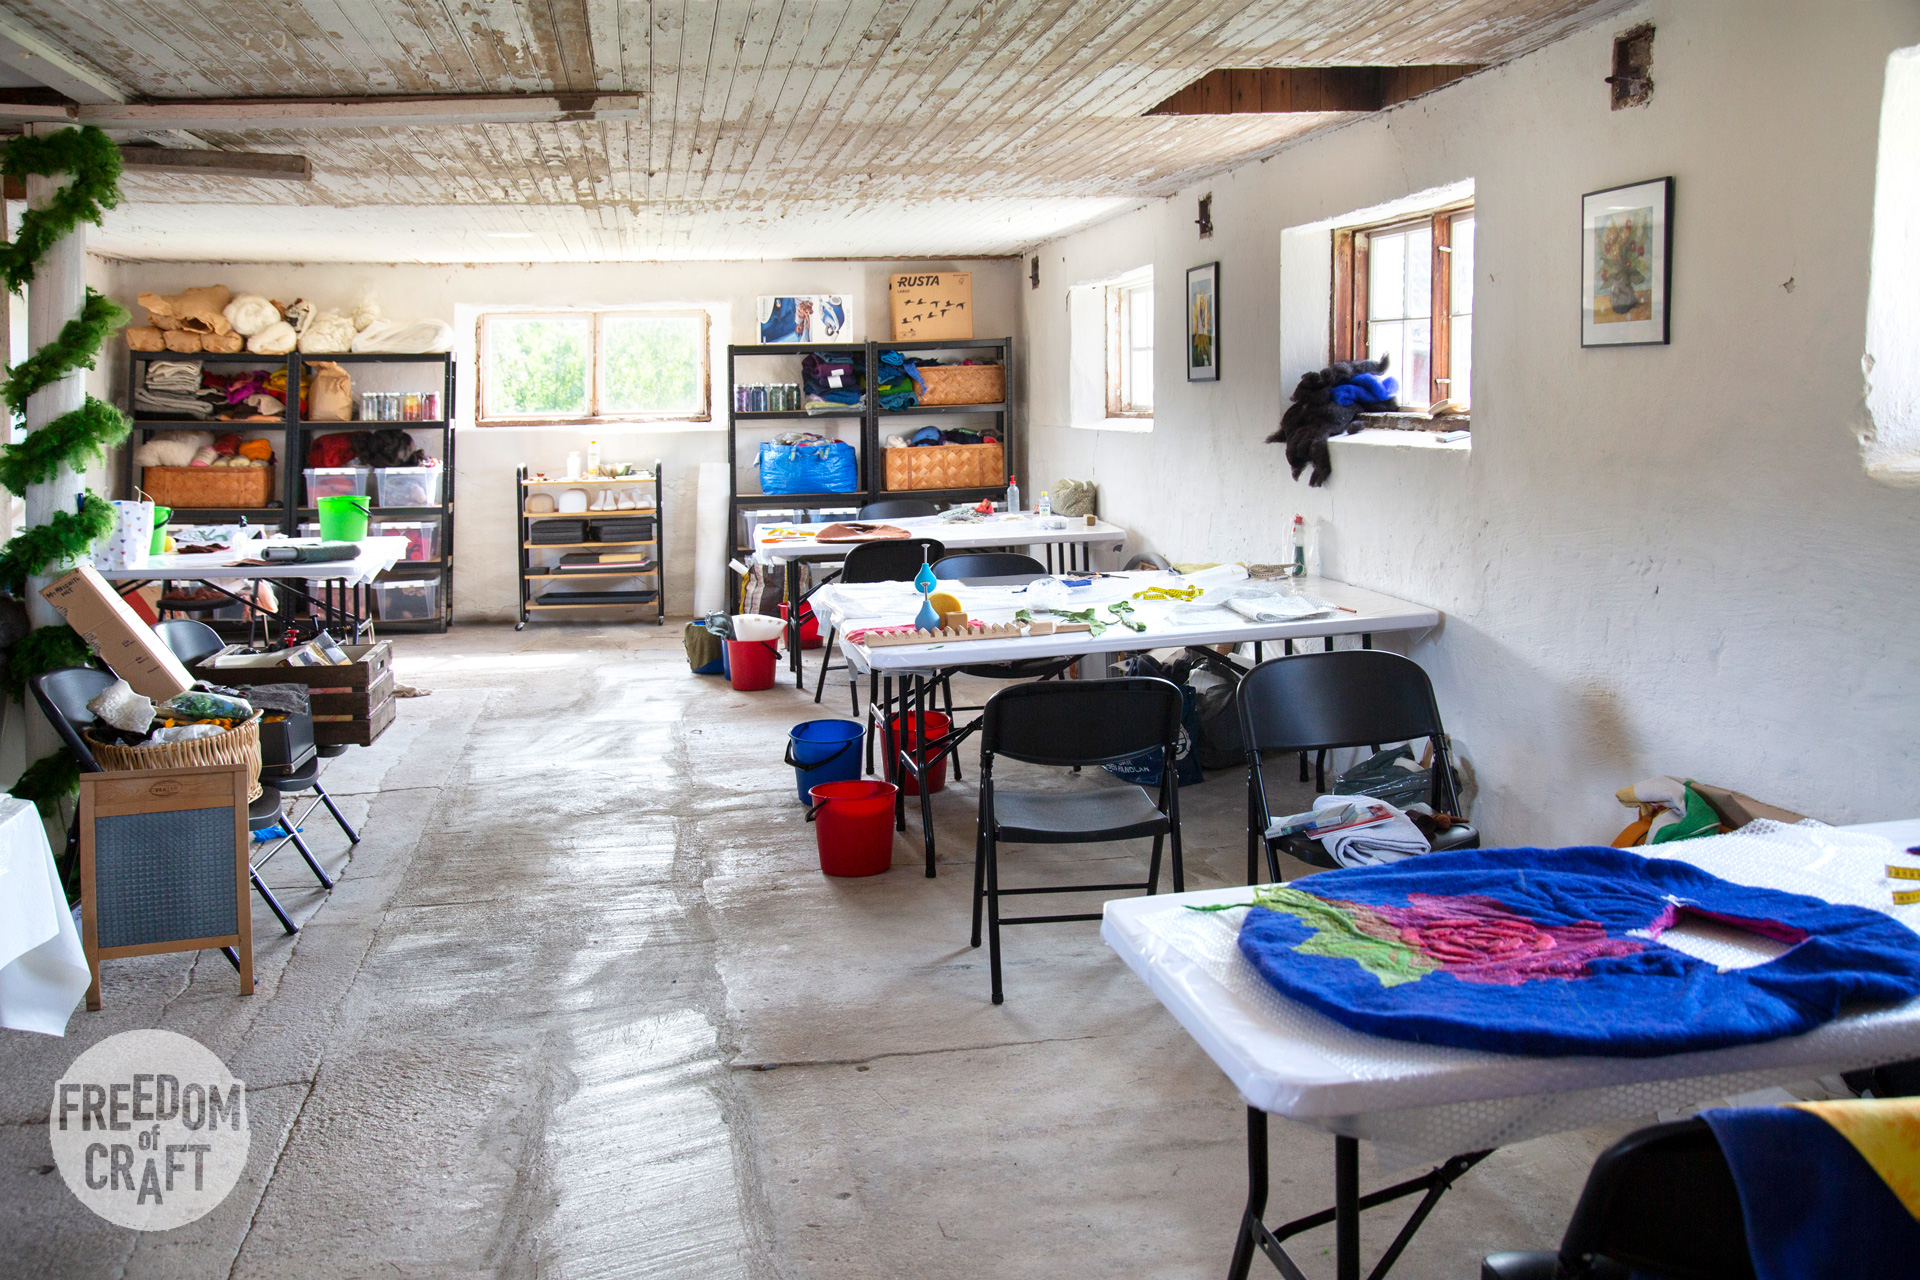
[(1366, 388), (1814, 1208), (927, 435), (1558, 951)]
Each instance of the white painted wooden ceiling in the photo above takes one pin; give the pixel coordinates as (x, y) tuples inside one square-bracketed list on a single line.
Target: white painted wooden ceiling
[(773, 128)]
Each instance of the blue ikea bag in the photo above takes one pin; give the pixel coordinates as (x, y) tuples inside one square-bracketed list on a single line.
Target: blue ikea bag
[(829, 466)]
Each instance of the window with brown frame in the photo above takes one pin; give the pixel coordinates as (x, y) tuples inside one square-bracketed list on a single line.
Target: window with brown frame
[(1404, 289)]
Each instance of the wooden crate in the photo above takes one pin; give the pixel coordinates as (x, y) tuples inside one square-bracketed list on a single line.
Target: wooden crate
[(351, 704), (964, 384), (187, 488), (946, 466)]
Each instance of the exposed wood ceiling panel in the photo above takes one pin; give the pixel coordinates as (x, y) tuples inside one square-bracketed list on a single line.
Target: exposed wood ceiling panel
[(769, 127)]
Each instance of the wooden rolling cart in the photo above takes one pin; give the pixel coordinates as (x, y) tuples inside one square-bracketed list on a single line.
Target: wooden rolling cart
[(539, 602)]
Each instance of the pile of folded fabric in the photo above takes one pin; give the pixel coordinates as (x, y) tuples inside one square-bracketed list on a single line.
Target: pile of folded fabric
[(172, 390), (900, 383), (937, 435), (830, 381)]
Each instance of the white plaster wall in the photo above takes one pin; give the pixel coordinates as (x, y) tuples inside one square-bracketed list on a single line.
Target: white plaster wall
[(1892, 365), (485, 585), (1661, 559)]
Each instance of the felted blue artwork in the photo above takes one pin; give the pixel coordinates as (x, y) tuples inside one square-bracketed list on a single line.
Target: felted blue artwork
[(1558, 951)]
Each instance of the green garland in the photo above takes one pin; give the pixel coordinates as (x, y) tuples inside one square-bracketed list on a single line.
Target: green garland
[(76, 348), (86, 153), (73, 439), (77, 439)]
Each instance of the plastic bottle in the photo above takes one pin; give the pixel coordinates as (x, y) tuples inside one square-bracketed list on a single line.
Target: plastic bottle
[(1013, 494), (1297, 553), (593, 457), (1044, 506)]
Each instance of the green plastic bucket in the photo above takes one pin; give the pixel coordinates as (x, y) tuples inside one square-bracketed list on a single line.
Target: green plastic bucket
[(343, 518)]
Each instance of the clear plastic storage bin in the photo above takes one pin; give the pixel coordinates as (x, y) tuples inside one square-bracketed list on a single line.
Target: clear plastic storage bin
[(407, 600), (423, 536), (335, 482), (409, 486)]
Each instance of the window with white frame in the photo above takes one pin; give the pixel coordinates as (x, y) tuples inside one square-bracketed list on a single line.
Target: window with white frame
[(1129, 307), (593, 366), (1404, 289)]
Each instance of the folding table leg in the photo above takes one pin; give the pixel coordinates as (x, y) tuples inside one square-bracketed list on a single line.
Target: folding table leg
[(1250, 1219), (1346, 1208), (923, 698)]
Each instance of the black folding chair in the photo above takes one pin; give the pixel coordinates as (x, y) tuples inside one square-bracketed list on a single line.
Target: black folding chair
[(1071, 723), (1344, 698), (1661, 1201), (191, 641), (63, 696), (986, 564), (898, 509)]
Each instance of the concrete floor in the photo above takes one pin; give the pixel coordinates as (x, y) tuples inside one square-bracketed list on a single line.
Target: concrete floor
[(581, 1004)]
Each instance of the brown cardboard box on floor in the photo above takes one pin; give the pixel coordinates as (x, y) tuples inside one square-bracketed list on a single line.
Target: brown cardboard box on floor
[(931, 306), (126, 644)]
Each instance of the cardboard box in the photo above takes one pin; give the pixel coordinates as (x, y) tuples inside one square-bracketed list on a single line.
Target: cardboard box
[(126, 644), (931, 306)]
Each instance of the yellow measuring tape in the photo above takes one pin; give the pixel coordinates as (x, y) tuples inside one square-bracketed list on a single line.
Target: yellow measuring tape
[(1169, 593), (1904, 897)]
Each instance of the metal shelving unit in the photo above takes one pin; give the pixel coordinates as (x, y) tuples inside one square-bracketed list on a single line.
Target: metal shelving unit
[(535, 603), (296, 438), (875, 425)]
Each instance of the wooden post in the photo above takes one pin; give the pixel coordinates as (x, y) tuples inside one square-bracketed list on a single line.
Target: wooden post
[(57, 294)]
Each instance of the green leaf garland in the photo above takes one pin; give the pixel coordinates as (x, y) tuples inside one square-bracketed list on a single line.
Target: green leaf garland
[(73, 439)]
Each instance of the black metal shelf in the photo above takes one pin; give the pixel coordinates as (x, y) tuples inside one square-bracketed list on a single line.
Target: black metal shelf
[(872, 457), (299, 434), (530, 574)]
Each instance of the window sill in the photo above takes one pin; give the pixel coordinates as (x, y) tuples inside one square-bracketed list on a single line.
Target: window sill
[(1411, 421), (650, 426), (1138, 426), (1425, 439)]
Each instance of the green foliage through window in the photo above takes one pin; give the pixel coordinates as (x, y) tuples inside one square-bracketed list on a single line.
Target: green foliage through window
[(649, 364)]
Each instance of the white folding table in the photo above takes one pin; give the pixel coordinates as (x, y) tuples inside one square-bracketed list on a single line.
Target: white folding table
[(341, 584), (1073, 536), (853, 608), (1429, 1102)]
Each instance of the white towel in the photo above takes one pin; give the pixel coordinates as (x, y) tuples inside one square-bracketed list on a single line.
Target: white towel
[(1389, 840)]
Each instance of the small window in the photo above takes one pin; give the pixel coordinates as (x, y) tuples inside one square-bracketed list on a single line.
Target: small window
[(593, 366), (1405, 290), (1130, 348)]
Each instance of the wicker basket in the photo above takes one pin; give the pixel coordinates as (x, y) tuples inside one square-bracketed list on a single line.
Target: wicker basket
[(239, 745), (190, 487), (946, 466), (964, 384)]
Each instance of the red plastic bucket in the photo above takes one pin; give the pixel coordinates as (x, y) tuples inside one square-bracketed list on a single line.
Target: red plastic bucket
[(853, 821), (809, 626), (750, 663), (937, 726)]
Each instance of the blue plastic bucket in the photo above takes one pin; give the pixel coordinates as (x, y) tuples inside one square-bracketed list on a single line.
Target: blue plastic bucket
[(824, 751)]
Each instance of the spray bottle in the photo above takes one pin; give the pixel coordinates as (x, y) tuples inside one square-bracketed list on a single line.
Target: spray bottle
[(1013, 494)]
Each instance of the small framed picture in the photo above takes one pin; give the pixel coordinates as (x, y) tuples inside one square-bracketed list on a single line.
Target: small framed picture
[(1626, 265), (1203, 323)]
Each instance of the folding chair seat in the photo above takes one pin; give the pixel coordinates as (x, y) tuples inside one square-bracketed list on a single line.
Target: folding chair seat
[(1070, 724), (1342, 698)]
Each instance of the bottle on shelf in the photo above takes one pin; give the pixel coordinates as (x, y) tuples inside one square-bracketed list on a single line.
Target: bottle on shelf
[(1045, 505), (1296, 549), (1013, 494), (593, 457)]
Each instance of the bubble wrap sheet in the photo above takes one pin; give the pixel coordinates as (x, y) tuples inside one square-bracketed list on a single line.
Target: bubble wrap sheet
[(1428, 1102)]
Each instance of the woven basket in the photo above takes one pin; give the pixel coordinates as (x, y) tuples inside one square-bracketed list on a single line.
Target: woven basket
[(946, 466), (964, 384), (190, 487), (239, 745)]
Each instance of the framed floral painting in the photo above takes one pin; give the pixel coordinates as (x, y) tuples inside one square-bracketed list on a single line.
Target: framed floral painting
[(1626, 265), (1203, 323)]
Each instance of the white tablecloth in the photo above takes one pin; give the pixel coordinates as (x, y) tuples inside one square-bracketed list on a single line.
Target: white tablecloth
[(1002, 530), (1428, 1101), (377, 555), (43, 971)]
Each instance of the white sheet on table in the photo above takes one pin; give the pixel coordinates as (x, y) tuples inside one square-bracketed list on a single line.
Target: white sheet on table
[(1430, 1101), (43, 969)]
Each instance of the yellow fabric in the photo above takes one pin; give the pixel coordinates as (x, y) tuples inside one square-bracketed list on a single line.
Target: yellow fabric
[(1886, 1133)]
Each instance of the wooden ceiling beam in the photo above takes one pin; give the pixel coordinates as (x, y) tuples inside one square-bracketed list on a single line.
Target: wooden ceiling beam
[(46, 63), (239, 115), (218, 164), (1282, 90)]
